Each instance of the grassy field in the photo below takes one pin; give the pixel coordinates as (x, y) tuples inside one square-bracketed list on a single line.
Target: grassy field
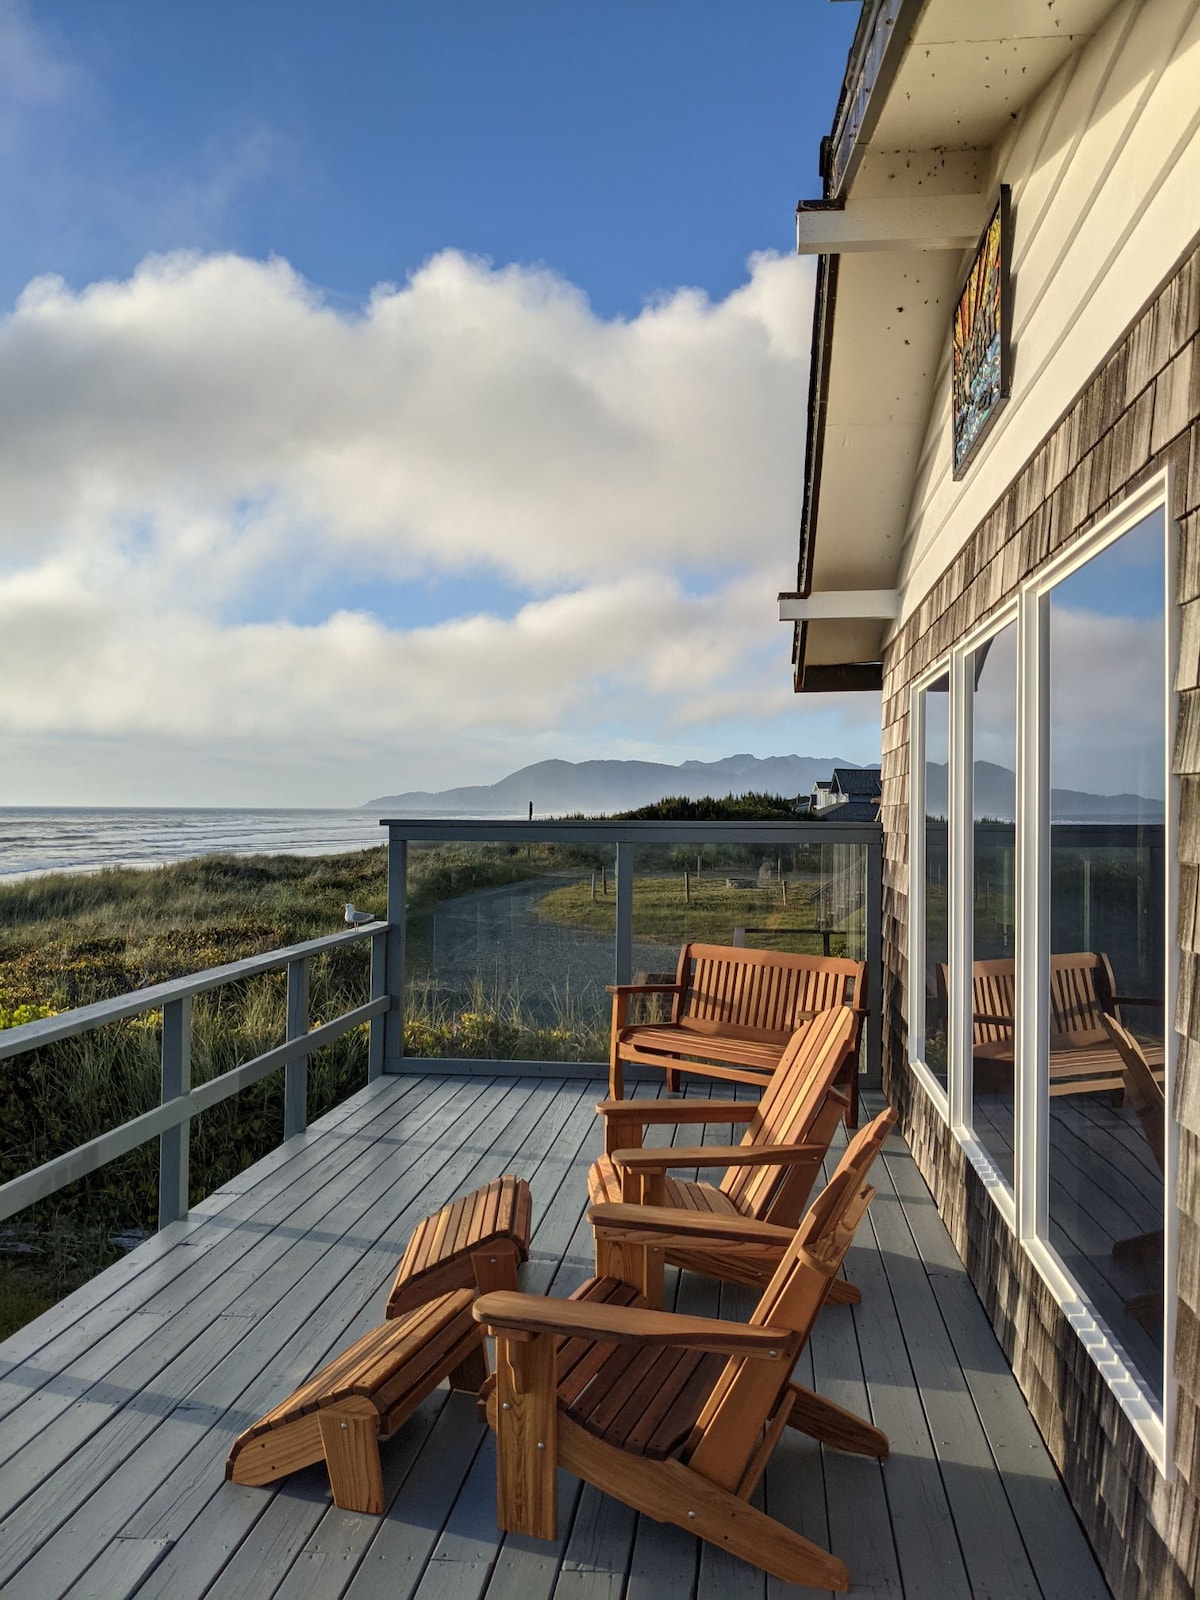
[(709, 910)]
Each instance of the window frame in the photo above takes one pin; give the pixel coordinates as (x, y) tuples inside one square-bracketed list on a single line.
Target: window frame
[(1025, 1205), (916, 920)]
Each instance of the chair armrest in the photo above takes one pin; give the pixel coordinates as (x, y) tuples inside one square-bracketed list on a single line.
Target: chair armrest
[(664, 1157), (643, 988), (650, 1112), (616, 1220), (1000, 1022), (506, 1310)]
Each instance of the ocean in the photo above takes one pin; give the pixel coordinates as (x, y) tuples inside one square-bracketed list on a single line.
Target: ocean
[(36, 839)]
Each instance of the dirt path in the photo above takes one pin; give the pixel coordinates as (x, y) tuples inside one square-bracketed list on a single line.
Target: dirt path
[(496, 937)]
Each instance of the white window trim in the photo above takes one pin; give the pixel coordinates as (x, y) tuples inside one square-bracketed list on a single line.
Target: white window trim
[(1025, 1208), (997, 1185), (916, 897)]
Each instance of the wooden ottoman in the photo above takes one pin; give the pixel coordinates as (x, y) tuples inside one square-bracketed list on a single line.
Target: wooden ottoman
[(343, 1412), (477, 1241)]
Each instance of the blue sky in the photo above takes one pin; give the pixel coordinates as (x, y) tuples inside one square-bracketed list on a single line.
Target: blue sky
[(401, 393)]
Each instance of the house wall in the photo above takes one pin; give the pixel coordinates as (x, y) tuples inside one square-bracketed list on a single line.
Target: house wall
[(1138, 412), (1105, 174)]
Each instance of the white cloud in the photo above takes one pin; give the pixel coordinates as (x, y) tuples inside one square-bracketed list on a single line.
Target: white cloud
[(212, 430), (474, 415), (1107, 731)]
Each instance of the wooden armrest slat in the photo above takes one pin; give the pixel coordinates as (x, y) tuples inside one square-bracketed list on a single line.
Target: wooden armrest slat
[(658, 1111), (690, 1224), (505, 1311), (713, 1155)]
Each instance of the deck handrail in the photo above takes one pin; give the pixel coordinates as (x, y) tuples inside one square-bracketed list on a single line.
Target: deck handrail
[(179, 1102)]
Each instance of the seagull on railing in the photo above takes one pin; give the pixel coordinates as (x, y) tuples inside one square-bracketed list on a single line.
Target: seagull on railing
[(356, 918)]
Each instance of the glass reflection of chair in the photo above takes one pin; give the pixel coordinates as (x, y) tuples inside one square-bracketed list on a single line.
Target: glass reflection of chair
[(1145, 1094), (1083, 998)]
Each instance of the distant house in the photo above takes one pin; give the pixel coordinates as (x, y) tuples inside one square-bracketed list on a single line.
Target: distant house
[(1001, 534), (851, 794)]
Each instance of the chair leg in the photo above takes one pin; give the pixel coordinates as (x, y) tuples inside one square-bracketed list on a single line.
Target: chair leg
[(832, 1424), (672, 1080), (350, 1438), (842, 1293), (526, 1410), (495, 1266), (471, 1373), (670, 1492), (634, 1264)]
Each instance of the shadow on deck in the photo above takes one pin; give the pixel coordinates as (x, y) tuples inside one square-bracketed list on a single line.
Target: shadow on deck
[(119, 1405)]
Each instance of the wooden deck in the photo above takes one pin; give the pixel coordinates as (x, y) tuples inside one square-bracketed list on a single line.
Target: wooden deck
[(119, 1405)]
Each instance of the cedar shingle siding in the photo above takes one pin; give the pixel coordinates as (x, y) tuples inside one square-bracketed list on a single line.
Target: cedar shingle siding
[(1140, 412)]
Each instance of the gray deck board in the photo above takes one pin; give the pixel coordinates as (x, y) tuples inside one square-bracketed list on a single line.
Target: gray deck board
[(283, 1279), (119, 1405)]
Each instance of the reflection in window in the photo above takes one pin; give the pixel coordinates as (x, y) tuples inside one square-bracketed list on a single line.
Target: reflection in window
[(993, 851), (1107, 945), (937, 768)]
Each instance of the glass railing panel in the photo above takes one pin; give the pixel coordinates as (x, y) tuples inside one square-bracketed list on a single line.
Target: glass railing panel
[(509, 947)]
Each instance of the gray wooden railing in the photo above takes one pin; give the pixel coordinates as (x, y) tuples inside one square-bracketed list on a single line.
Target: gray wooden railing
[(179, 1102)]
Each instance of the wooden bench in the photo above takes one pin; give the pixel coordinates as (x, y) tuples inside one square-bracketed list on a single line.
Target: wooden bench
[(1083, 992), (733, 1011), (341, 1415)]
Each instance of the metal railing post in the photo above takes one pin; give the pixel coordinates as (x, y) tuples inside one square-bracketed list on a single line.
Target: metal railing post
[(623, 952), (375, 1034), (174, 1143), (874, 918), (397, 916), (295, 1074)]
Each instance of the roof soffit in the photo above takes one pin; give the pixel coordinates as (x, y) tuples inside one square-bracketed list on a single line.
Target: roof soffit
[(955, 94)]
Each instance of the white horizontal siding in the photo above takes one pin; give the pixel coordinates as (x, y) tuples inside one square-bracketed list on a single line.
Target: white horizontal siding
[(1105, 175)]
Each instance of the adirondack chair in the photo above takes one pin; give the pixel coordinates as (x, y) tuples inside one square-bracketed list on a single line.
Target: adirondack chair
[(1145, 1094), (768, 1176), (639, 1403)]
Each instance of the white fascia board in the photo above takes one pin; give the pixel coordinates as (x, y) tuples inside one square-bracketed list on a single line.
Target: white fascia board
[(840, 605), (927, 222)]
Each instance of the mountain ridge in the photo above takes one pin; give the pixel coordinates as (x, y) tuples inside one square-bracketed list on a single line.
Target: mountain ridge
[(567, 786)]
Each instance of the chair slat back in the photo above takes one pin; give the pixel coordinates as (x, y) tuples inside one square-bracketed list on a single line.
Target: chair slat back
[(1081, 989), (993, 994), (993, 999), (796, 1107), (746, 1394), (1143, 1088), (763, 989)]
